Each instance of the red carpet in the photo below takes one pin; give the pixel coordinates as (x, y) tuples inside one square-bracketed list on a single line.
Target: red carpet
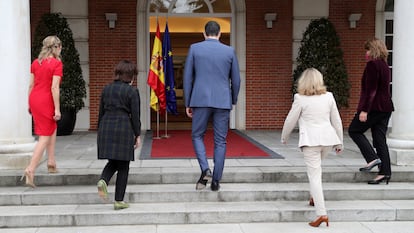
[(179, 145)]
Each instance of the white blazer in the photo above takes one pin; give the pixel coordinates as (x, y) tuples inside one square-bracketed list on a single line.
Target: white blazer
[(319, 121)]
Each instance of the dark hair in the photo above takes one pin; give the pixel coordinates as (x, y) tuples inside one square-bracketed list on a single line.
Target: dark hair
[(125, 71), (212, 28)]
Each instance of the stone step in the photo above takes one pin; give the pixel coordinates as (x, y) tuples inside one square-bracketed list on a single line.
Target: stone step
[(202, 212), (265, 227), (191, 175), (229, 192)]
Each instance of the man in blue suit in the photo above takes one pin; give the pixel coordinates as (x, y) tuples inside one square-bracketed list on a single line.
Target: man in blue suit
[(211, 87)]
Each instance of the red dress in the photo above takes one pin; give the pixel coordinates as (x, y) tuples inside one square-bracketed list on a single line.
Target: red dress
[(40, 99)]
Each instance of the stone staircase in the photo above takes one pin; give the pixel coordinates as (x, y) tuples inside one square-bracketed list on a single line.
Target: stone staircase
[(168, 196)]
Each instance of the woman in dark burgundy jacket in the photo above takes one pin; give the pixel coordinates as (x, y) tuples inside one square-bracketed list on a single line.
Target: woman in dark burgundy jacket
[(374, 111)]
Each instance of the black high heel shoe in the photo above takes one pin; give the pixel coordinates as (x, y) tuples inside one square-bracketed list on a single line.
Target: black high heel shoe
[(377, 181), (368, 168)]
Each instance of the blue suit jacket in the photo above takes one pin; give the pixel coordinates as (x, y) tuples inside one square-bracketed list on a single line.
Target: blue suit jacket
[(211, 75)]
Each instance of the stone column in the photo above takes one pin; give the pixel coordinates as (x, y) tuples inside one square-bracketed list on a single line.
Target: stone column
[(401, 138), (16, 141)]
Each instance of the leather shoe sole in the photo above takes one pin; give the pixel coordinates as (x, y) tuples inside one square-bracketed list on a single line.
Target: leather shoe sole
[(205, 177), (201, 184)]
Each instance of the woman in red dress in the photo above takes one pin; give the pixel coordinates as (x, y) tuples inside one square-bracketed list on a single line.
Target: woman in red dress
[(46, 73)]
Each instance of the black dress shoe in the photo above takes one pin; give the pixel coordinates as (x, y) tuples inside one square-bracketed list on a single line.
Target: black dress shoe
[(215, 185), (204, 178), (376, 162)]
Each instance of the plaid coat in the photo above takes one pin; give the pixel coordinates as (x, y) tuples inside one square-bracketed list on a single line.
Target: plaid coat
[(118, 122)]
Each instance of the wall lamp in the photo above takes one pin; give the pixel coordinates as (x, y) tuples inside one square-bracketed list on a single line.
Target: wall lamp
[(111, 17), (269, 18), (353, 18)]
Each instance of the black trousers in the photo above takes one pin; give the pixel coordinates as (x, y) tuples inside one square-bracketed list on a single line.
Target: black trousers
[(378, 123), (122, 167)]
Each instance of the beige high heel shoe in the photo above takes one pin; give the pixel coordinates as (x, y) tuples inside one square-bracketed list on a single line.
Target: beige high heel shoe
[(51, 168), (29, 178)]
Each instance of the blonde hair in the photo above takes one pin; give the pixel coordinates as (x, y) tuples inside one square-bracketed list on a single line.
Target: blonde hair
[(50, 47), (377, 49), (311, 83)]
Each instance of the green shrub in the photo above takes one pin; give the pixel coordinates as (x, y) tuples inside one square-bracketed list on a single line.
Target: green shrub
[(320, 48)]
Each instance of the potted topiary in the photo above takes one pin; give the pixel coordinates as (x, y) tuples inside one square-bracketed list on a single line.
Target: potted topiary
[(320, 48), (72, 88)]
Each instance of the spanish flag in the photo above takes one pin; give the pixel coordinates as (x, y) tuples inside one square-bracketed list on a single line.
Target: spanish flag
[(156, 75)]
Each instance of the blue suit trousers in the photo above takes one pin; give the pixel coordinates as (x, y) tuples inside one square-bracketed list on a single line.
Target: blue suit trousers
[(220, 119)]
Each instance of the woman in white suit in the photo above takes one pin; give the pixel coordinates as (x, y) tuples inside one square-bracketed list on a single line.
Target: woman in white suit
[(320, 131)]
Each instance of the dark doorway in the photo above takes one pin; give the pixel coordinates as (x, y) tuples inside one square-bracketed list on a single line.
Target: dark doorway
[(180, 42)]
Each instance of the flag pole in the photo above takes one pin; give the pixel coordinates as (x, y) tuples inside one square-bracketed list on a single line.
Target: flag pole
[(158, 122), (166, 125)]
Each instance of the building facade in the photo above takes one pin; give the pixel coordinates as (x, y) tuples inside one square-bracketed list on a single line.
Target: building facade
[(265, 33), (267, 55)]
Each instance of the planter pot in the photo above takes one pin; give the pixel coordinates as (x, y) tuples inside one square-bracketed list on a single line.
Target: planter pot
[(67, 123)]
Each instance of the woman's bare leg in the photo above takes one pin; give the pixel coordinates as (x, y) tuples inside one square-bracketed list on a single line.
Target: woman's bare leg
[(38, 153), (51, 161)]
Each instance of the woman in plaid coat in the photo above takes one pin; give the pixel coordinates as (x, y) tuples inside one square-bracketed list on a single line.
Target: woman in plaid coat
[(119, 129)]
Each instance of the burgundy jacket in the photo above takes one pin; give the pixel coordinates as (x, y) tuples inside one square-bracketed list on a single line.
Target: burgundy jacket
[(375, 88)]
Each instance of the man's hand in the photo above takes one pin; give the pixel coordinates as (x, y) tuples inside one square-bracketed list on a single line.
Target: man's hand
[(189, 112)]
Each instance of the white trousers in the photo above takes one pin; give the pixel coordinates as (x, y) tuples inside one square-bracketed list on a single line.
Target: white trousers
[(313, 158)]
